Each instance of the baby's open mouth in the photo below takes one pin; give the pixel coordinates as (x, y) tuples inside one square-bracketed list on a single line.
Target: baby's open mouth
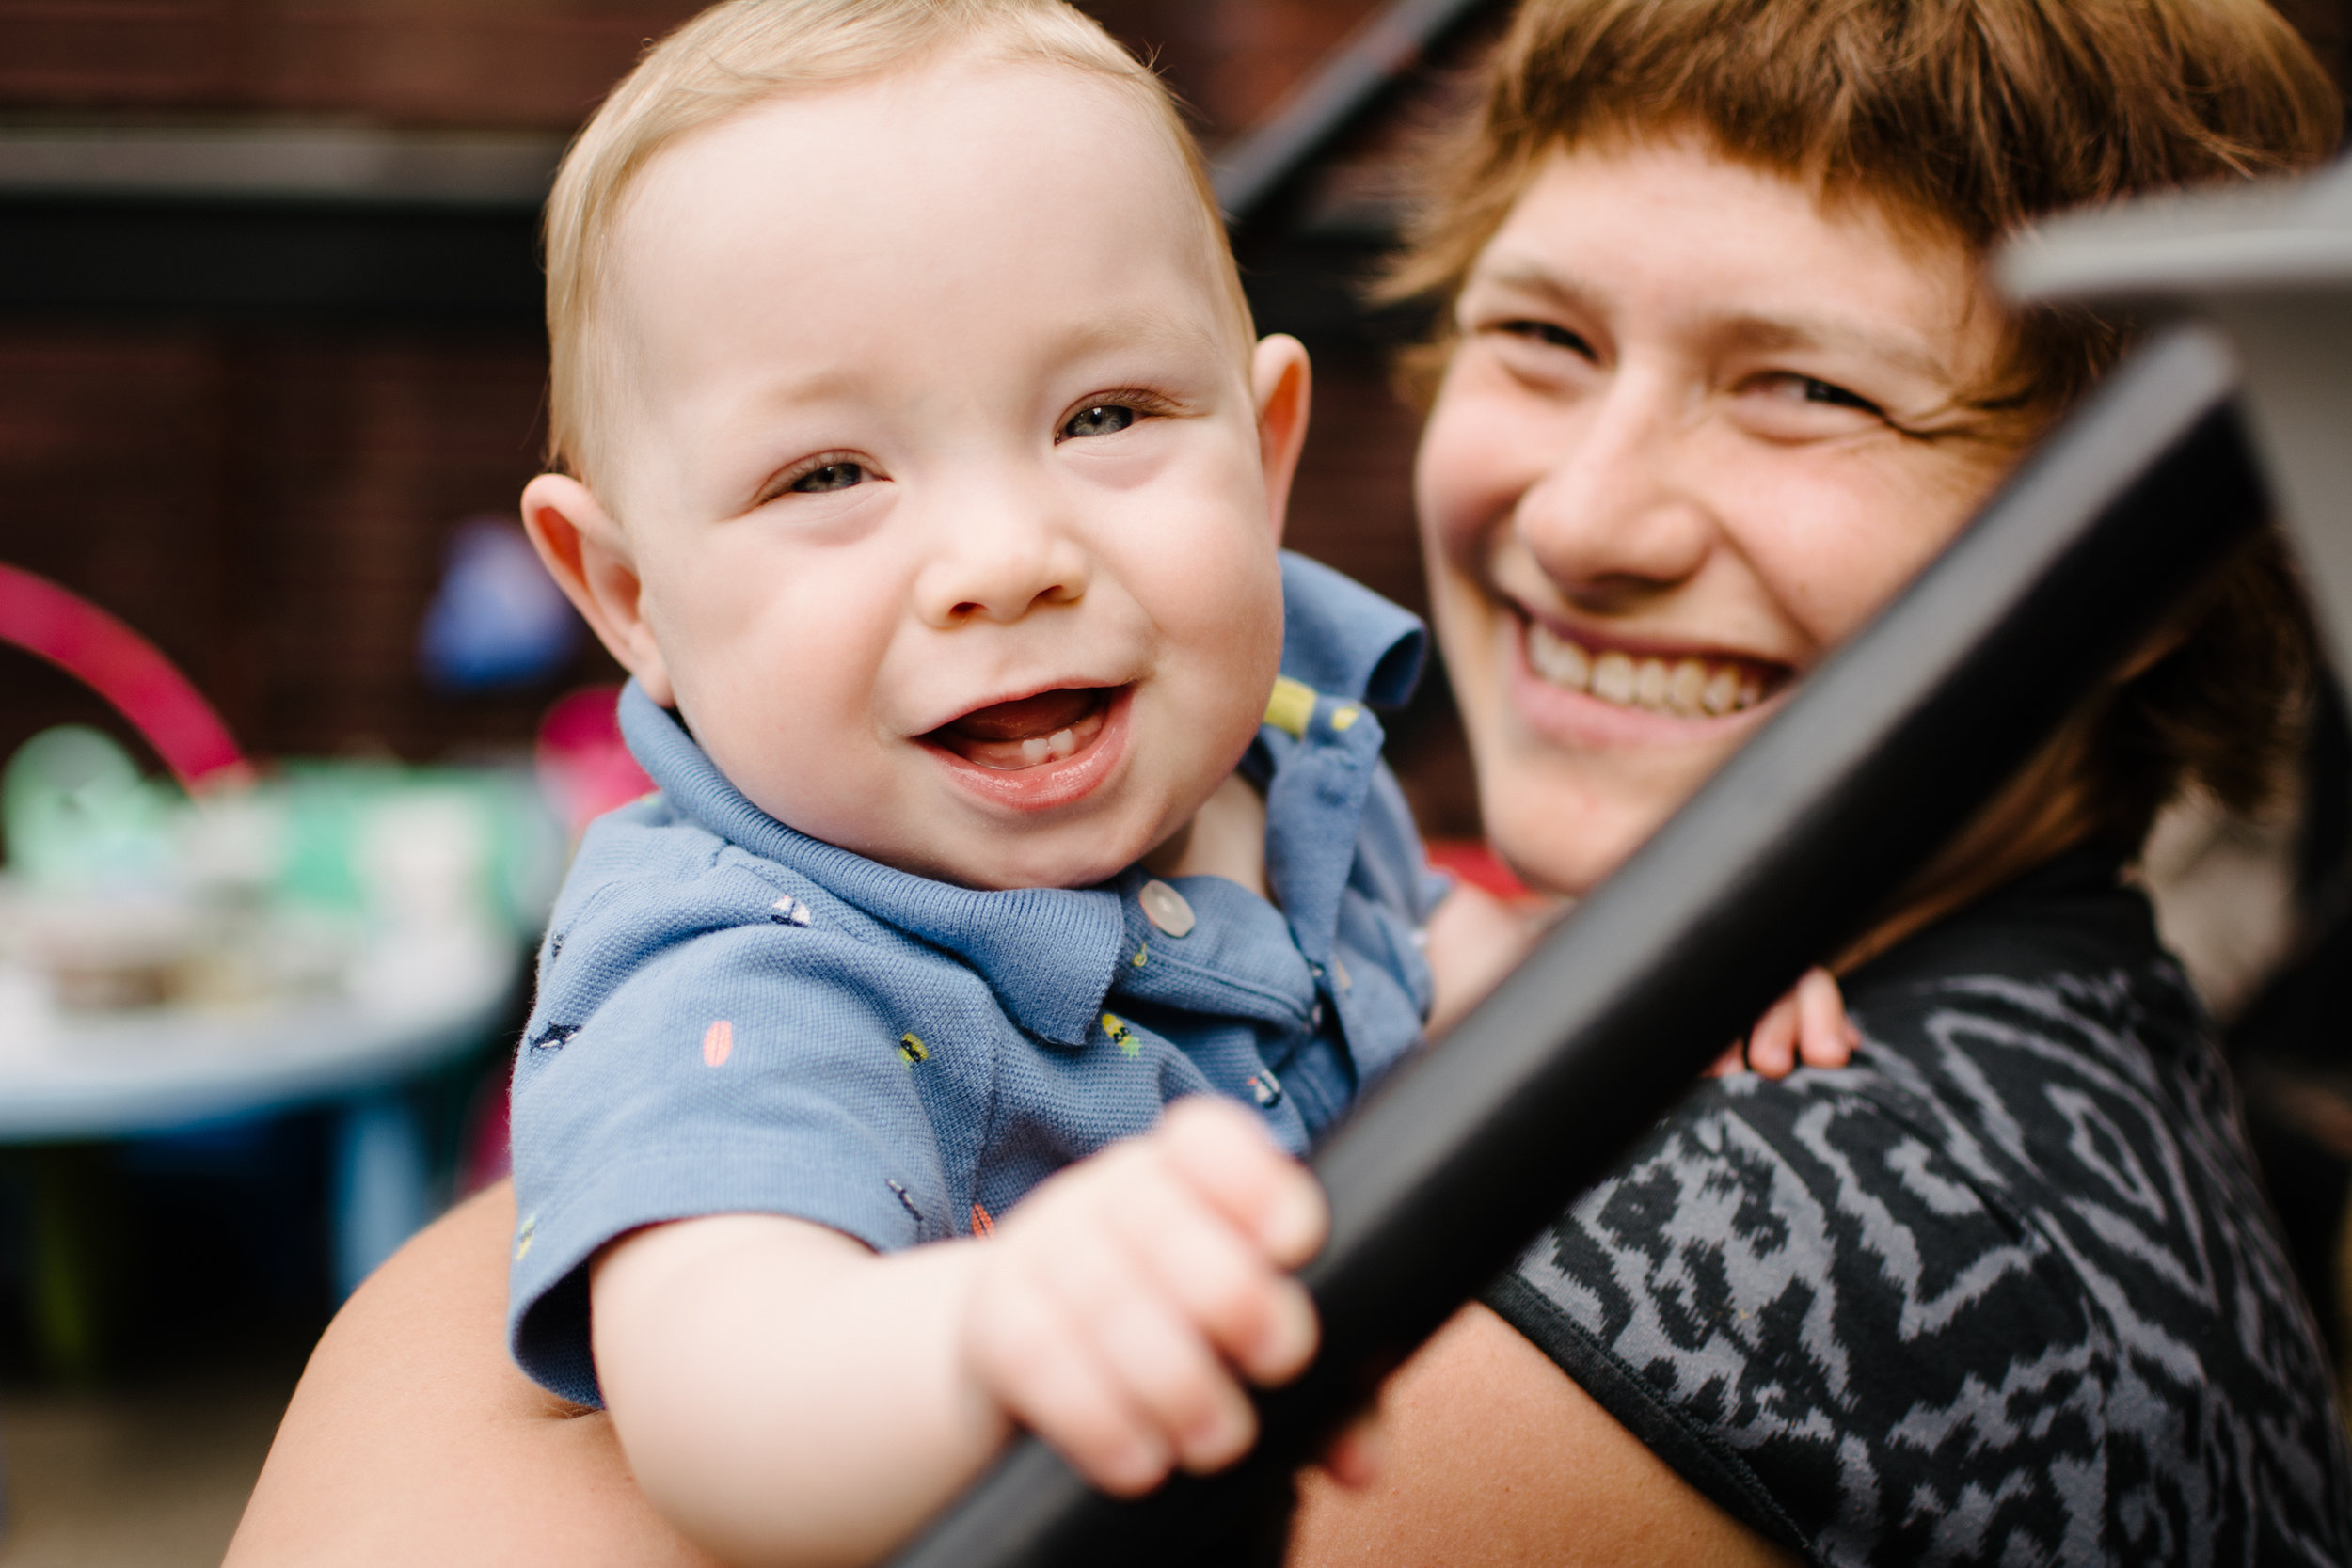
[(1692, 687), (1029, 732)]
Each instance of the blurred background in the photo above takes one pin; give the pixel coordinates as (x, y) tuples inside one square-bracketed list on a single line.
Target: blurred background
[(294, 732)]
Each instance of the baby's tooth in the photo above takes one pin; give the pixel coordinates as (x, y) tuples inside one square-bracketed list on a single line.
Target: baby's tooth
[(1034, 751), (1685, 685), (1751, 692), (1613, 677), (1723, 690), (1063, 743), (1649, 684)]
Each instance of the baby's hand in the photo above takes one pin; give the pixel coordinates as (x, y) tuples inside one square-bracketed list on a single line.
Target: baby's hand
[(1117, 1308), (1808, 1024)]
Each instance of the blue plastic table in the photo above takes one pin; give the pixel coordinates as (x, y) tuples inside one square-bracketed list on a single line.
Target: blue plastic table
[(411, 1007)]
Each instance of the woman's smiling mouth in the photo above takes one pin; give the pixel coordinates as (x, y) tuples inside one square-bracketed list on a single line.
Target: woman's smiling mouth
[(1694, 685)]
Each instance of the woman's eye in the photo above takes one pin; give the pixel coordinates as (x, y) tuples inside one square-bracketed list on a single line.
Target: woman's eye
[(1550, 334), (833, 476), (1102, 419), (1782, 405), (1836, 396)]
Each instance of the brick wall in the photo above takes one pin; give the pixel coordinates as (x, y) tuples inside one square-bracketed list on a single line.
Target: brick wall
[(270, 509), (271, 505), (522, 63), (472, 63)]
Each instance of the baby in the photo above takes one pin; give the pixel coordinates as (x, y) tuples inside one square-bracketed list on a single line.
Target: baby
[(917, 461)]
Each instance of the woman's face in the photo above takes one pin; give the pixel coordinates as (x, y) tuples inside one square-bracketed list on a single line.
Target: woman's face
[(1699, 427)]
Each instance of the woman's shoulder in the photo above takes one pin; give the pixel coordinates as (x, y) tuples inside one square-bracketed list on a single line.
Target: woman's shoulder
[(2006, 1280)]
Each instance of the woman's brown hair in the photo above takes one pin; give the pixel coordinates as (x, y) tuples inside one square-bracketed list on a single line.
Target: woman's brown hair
[(1967, 119)]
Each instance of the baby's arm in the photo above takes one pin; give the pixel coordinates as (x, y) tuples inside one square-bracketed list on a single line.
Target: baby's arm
[(786, 1396)]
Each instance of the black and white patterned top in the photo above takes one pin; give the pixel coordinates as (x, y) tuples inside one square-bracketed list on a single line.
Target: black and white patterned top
[(2003, 1290)]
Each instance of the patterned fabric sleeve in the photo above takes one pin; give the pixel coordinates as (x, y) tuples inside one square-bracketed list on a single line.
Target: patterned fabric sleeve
[(2003, 1290)]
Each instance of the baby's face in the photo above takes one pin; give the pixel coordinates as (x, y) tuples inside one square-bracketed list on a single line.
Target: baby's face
[(940, 467)]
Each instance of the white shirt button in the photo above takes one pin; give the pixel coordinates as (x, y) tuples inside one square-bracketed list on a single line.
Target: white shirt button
[(1165, 908)]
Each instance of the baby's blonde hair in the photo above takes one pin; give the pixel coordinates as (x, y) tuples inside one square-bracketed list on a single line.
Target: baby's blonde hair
[(739, 54)]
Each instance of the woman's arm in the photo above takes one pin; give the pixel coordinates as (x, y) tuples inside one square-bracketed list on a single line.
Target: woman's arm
[(413, 1438), (1489, 1452)]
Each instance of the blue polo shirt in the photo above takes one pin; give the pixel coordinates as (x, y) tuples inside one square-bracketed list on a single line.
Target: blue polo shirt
[(734, 1017)]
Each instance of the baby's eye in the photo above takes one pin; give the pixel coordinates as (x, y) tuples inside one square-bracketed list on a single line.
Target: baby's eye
[(833, 476), (1101, 418)]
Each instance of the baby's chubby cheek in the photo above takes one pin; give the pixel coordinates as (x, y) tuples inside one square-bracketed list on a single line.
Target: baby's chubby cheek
[(777, 683), (1196, 716)]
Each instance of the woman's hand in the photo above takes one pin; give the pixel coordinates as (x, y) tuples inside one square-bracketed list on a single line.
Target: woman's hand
[(1807, 1025), (1474, 940)]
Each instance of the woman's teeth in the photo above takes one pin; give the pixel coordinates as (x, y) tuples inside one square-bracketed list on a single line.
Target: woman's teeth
[(1687, 687)]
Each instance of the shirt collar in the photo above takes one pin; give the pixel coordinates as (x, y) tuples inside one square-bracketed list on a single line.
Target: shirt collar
[(1346, 641), (1050, 953), (1047, 953)]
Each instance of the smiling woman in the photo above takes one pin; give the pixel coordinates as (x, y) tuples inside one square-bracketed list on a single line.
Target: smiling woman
[(1665, 474), (1719, 373)]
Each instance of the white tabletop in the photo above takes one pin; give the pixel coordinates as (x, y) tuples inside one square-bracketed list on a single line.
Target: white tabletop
[(411, 1007)]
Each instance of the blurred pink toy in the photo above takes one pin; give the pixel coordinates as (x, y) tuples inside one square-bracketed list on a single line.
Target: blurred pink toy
[(129, 671), (585, 764)]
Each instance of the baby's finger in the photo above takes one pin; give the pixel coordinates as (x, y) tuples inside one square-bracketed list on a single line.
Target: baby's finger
[(1027, 1352), (1773, 1047), (1223, 1153), (1734, 1059), (1824, 1037), (1164, 1368), (1259, 1318)]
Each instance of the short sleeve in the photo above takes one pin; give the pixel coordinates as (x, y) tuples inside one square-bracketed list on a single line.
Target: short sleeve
[(1779, 1275), (1693, 1295), (745, 1068)]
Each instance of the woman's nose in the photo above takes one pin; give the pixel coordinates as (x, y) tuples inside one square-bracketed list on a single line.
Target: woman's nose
[(997, 556), (1616, 516)]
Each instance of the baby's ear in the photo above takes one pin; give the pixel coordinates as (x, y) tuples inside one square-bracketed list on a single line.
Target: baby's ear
[(590, 560), (1280, 382)]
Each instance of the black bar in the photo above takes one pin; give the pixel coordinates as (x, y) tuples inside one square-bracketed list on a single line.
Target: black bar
[(269, 260), (1339, 92), (1781, 860)]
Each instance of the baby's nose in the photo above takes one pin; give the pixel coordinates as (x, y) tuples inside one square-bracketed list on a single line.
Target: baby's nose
[(999, 566)]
